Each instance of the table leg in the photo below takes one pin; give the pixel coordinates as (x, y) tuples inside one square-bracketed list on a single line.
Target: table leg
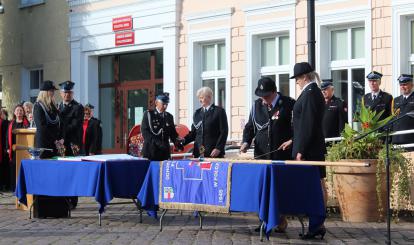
[(200, 218), (100, 219), (161, 218), (261, 231), (31, 207), (138, 205), (300, 218)]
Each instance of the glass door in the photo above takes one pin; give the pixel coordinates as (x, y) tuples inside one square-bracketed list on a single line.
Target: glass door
[(128, 85)]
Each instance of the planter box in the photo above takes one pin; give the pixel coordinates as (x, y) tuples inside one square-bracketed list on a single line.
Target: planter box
[(410, 155), (355, 189)]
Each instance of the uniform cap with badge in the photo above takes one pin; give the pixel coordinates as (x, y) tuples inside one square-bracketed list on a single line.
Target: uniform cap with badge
[(66, 86), (405, 78), (163, 97), (265, 87), (374, 75), (326, 83)]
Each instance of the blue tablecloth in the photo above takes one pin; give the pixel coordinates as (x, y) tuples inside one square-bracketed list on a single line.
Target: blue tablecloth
[(102, 180), (266, 189)]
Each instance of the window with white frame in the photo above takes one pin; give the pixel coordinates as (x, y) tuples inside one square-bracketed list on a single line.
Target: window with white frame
[(411, 58), (213, 73), (347, 65), (274, 60), (36, 77)]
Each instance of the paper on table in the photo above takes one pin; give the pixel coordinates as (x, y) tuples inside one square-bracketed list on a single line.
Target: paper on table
[(70, 159), (111, 157)]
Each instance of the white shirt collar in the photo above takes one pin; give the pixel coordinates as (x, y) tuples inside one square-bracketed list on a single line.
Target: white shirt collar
[(158, 110), (376, 94), (306, 85), (207, 108), (406, 96)]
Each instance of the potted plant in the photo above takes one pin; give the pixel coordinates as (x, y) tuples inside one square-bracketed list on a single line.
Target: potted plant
[(361, 191)]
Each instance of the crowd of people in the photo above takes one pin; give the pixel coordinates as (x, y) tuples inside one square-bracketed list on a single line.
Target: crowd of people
[(280, 127), (67, 128)]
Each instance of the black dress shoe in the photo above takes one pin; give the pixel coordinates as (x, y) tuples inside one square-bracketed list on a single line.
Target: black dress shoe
[(312, 235)]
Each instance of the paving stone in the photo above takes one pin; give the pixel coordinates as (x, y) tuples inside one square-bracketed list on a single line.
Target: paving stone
[(120, 225)]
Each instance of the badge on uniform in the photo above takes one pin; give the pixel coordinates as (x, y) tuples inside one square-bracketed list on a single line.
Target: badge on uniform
[(276, 115)]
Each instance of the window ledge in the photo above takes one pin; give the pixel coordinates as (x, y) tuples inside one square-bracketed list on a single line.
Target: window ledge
[(39, 2)]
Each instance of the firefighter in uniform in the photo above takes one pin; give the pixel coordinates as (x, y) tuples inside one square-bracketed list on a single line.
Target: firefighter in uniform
[(377, 100), (71, 116), (158, 129), (210, 128), (402, 105), (335, 115), (270, 125)]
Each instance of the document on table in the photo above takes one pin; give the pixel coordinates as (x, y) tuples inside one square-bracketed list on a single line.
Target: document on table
[(111, 157)]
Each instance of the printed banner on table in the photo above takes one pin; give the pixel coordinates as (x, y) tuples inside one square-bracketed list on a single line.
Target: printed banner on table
[(195, 185)]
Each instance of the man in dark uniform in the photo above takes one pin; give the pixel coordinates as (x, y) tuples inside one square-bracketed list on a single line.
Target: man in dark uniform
[(377, 100), (308, 139), (403, 104), (158, 129), (92, 132), (210, 127), (270, 125), (71, 115), (335, 115)]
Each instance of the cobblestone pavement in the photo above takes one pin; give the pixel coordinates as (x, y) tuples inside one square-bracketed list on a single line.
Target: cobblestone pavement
[(120, 225)]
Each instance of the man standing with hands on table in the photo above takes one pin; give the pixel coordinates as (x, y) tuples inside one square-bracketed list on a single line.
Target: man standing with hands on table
[(158, 129), (308, 139), (71, 116), (270, 125), (71, 113), (210, 127)]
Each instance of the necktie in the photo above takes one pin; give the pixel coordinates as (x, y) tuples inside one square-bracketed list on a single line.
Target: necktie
[(405, 99), (374, 97)]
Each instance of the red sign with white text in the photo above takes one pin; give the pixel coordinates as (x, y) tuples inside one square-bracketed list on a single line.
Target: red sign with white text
[(122, 23), (124, 38)]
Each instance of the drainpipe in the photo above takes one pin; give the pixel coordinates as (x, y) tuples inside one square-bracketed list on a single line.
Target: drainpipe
[(311, 33)]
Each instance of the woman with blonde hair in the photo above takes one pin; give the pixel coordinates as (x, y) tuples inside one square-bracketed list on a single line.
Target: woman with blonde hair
[(46, 118)]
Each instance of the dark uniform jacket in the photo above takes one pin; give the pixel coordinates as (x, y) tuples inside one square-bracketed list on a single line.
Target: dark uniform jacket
[(383, 102), (402, 106), (209, 129), (157, 129), (71, 117), (4, 157), (3, 143), (308, 137), (334, 118), (270, 128), (93, 137), (48, 128)]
